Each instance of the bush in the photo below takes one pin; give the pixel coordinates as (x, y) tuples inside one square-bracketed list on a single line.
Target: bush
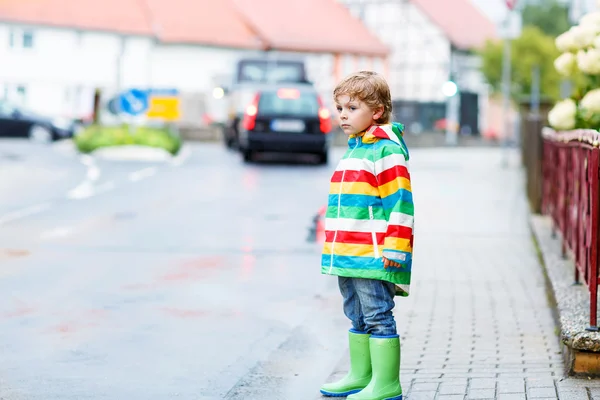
[(97, 136)]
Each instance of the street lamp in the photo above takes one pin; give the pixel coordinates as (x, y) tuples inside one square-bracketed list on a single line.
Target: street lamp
[(218, 93), (450, 90), (511, 30)]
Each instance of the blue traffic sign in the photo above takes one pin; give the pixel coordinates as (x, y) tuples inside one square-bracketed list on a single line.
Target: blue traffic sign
[(134, 102)]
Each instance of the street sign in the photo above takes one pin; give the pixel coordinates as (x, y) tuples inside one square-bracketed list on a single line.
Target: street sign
[(164, 104), (134, 102), (158, 104), (511, 4)]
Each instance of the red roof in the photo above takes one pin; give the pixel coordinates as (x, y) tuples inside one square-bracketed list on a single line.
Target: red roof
[(463, 23), (302, 25), (127, 16), (310, 25), (215, 22)]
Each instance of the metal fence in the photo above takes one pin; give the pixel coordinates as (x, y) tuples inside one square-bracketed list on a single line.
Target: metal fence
[(570, 196)]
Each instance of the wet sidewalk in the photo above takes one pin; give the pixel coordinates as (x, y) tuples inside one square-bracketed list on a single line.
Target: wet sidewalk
[(478, 324)]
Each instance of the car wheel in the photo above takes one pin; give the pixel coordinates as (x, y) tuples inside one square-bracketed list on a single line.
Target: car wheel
[(248, 155), (323, 158), (40, 134), (227, 139)]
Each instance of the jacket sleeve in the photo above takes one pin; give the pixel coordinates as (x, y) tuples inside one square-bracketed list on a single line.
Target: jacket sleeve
[(393, 180)]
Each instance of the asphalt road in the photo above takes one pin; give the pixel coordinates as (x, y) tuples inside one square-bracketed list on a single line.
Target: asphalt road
[(195, 280), (140, 280)]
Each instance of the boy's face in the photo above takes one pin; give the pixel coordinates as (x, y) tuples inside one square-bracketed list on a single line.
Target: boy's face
[(355, 115)]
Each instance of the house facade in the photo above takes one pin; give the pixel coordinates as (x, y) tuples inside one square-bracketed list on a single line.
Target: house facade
[(431, 42), (55, 63)]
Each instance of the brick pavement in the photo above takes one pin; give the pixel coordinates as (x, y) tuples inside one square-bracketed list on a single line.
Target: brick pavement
[(477, 324)]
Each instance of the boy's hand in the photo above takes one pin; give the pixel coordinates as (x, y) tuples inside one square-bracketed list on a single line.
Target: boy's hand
[(389, 263)]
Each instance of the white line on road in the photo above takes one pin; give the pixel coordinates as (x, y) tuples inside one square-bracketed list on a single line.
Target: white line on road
[(83, 191), (93, 173), (105, 187), (24, 212), (86, 188), (141, 174), (183, 155), (86, 160), (57, 233)]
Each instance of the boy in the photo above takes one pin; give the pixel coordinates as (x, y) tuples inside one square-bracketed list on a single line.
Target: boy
[(369, 236)]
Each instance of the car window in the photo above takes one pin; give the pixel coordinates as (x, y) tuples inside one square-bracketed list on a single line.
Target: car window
[(6, 108), (270, 70), (288, 101)]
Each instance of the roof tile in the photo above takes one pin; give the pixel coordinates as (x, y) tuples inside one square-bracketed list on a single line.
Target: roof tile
[(292, 25), (465, 25), (310, 25), (215, 22), (127, 16)]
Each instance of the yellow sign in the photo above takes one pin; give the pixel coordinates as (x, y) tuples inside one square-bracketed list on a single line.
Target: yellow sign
[(164, 107)]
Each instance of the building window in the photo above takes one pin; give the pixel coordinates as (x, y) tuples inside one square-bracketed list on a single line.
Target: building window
[(20, 39), (15, 94), (27, 39), (21, 95)]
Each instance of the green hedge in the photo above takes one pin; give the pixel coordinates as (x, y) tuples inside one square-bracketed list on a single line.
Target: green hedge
[(96, 136)]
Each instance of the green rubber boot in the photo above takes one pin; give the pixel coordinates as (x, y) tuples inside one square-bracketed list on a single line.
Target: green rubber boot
[(359, 375), (385, 358)]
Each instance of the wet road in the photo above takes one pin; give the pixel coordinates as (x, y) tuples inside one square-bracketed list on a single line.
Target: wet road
[(133, 280)]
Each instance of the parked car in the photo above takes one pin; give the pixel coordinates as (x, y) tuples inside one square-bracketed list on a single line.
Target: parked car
[(252, 73), (285, 119), (18, 122)]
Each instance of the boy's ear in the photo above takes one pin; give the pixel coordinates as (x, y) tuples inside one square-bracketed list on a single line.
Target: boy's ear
[(377, 113)]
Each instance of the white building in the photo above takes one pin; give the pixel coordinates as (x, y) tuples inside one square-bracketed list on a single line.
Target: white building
[(431, 42), (55, 55)]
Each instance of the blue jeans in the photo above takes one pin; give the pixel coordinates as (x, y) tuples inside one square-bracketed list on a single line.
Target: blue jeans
[(368, 303)]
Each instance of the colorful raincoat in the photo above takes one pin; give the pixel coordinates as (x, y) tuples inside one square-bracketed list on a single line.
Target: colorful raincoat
[(370, 213)]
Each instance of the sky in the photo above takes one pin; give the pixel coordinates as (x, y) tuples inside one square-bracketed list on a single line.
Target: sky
[(496, 9)]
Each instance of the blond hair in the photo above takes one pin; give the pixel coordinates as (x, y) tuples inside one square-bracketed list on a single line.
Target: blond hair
[(370, 88)]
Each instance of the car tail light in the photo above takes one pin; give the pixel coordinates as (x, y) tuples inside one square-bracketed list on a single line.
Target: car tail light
[(249, 120), (324, 117)]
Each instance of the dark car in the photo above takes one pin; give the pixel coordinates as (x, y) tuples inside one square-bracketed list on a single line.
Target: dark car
[(18, 122), (253, 73), (285, 119)]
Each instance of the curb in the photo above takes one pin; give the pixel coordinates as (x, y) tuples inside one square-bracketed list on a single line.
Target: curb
[(569, 302), (132, 153)]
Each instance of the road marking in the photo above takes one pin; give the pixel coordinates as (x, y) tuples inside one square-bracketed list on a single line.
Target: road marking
[(83, 191), (57, 233), (86, 188), (24, 212), (105, 187), (93, 173), (141, 174), (87, 160), (183, 155)]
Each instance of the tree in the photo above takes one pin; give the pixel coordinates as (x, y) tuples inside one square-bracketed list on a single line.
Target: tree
[(550, 16), (533, 48)]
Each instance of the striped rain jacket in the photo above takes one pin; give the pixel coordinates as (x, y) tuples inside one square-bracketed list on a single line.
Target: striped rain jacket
[(370, 211)]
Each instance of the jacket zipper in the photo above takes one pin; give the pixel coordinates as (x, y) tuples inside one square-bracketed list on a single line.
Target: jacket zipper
[(373, 234), (339, 205)]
